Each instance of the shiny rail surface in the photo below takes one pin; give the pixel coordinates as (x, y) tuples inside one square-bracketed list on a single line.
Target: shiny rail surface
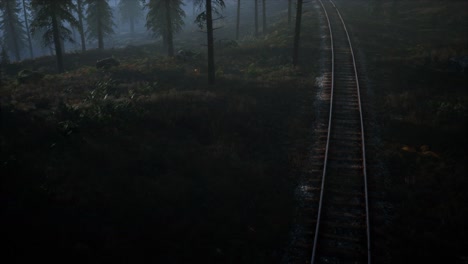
[(342, 232)]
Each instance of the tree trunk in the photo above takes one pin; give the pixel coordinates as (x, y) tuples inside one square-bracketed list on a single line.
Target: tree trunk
[(256, 17), (13, 33), (100, 33), (27, 31), (170, 41), (264, 17), (62, 45), (289, 11), (297, 33), (238, 19), (81, 28), (58, 48), (209, 27)]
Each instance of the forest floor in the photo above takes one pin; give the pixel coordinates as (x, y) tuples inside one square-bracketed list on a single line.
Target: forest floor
[(420, 106), (145, 161)]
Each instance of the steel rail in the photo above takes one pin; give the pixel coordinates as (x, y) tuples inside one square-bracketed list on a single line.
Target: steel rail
[(319, 213), (364, 166), (364, 163)]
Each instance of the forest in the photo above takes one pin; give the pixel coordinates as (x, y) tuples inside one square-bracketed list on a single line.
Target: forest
[(219, 131)]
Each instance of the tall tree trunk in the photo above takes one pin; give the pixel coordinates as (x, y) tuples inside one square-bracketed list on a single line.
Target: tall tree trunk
[(264, 17), (26, 23), (16, 48), (170, 41), (75, 44), (99, 29), (80, 25), (256, 17), (58, 48), (289, 11), (297, 33), (62, 45), (209, 27), (238, 19)]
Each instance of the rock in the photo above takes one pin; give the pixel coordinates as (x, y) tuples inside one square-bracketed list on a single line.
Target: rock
[(185, 55), (27, 76), (107, 63)]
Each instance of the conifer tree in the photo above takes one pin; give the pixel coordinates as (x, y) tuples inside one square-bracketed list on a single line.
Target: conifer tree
[(256, 17), (100, 22), (206, 19), (13, 30), (264, 18), (80, 7), (238, 19), (165, 18), (130, 11), (26, 25), (49, 19)]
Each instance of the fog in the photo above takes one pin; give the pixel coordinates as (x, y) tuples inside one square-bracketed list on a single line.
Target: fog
[(322, 131)]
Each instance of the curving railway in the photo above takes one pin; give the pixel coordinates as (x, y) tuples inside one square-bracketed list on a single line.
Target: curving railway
[(342, 229)]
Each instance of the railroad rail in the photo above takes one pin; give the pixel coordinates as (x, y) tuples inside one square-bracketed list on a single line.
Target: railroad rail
[(342, 229)]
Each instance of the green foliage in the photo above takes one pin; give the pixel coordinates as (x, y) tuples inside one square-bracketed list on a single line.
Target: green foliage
[(45, 11), (130, 10), (216, 5), (14, 35), (99, 18), (156, 19)]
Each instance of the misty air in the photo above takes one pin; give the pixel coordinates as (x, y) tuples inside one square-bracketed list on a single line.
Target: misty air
[(234, 131)]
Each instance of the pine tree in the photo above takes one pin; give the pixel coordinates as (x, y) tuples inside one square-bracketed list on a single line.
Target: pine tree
[(99, 18), (80, 7), (26, 24), (37, 35), (130, 11), (12, 27), (256, 17), (238, 19), (49, 18), (264, 17), (165, 18), (206, 18)]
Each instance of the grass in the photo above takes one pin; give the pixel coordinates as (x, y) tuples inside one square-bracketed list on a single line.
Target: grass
[(144, 162), (422, 111)]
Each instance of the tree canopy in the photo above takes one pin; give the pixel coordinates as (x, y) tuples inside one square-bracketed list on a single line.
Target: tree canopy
[(14, 35), (131, 12), (49, 19), (99, 18), (165, 18)]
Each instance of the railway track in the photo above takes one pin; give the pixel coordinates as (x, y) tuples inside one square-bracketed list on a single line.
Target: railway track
[(342, 231)]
